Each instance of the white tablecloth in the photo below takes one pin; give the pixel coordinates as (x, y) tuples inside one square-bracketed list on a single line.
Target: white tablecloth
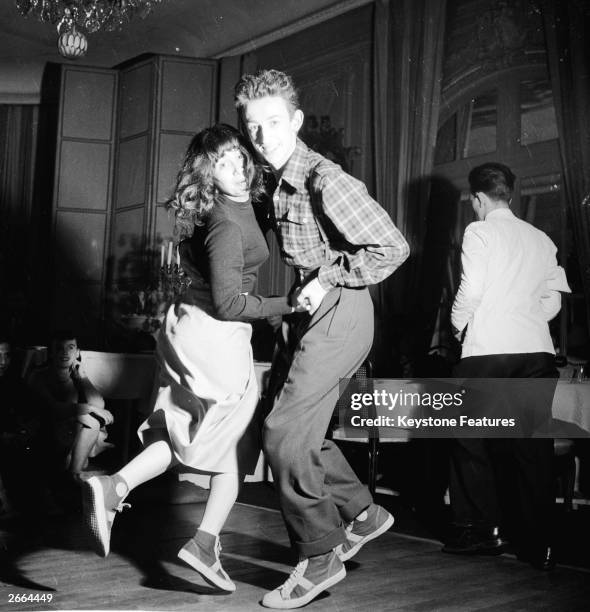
[(571, 403)]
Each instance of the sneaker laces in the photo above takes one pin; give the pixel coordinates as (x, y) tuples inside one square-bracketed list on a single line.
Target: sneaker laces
[(293, 579), (121, 506), (220, 569)]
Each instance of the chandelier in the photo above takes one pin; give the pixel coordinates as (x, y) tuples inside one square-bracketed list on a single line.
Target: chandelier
[(76, 18)]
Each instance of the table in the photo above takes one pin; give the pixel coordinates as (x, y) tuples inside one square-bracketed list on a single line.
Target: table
[(571, 403)]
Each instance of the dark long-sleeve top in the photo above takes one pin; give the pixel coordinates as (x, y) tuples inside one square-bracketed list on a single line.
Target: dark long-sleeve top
[(222, 259)]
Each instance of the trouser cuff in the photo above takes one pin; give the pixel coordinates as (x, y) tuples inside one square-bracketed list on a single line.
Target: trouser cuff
[(353, 507), (322, 545)]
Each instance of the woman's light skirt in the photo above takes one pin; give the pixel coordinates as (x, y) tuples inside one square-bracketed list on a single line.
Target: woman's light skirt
[(207, 394)]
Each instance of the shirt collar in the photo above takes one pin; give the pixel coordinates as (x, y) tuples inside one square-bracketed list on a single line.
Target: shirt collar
[(500, 212), (294, 172)]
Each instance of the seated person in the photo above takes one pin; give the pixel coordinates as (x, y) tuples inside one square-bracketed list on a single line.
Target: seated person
[(75, 411), (20, 425)]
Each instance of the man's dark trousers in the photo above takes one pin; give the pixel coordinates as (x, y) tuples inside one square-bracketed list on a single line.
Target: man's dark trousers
[(475, 498)]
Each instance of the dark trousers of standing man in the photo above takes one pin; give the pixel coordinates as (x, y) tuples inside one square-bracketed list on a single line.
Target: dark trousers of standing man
[(474, 482), (318, 489)]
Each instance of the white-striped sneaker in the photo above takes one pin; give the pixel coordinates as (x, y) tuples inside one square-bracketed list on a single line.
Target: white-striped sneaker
[(359, 532), (308, 579), (207, 563), (102, 498)]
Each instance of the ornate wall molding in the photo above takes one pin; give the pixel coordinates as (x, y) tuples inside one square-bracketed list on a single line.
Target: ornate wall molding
[(487, 36)]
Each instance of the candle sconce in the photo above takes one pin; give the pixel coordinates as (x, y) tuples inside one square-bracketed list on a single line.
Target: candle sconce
[(172, 282), (144, 307)]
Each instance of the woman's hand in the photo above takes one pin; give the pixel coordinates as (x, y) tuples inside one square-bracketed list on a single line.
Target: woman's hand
[(294, 301), (310, 296)]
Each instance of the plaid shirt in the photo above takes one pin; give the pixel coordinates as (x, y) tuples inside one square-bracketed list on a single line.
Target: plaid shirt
[(350, 240)]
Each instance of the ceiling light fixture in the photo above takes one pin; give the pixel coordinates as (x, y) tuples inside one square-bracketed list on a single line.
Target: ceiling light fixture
[(76, 18)]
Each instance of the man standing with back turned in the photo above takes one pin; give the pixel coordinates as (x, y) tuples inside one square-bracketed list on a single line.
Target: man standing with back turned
[(339, 240), (509, 290)]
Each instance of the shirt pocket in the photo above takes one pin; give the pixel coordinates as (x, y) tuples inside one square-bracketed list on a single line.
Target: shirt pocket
[(299, 228)]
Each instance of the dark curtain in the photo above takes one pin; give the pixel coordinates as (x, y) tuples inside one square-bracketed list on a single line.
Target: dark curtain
[(567, 27), (408, 53), (18, 134)]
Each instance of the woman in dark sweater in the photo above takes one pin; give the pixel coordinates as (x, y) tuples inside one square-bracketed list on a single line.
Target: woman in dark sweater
[(204, 414)]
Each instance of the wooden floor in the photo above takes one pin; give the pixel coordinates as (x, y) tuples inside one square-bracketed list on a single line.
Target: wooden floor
[(395, 572)]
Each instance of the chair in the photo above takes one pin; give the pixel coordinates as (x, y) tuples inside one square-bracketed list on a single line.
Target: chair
[(123, 376), (564, 463), (362, 382)]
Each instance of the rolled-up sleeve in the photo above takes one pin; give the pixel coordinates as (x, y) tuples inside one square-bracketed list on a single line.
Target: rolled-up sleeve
[(377, 247)]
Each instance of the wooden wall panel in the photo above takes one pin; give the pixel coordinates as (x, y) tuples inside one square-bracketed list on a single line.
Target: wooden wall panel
[(171, 154), (135, 100), (84, 175), (164, 227), (187, 94), (229, 74), (82, 196), (80, 239), (88, 104), (132, 168), (128, 243), (175, 97)]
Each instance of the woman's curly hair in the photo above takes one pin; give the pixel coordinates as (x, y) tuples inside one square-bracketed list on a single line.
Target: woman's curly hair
[(195, 192)]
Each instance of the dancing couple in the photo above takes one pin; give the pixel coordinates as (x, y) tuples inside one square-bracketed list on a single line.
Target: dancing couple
[(206, 412)]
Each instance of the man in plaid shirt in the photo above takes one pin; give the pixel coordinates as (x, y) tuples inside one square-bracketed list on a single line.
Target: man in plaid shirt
[(339, 240)]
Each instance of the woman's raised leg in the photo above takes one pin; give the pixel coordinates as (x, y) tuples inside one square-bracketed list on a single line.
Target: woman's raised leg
[(103, 496)]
